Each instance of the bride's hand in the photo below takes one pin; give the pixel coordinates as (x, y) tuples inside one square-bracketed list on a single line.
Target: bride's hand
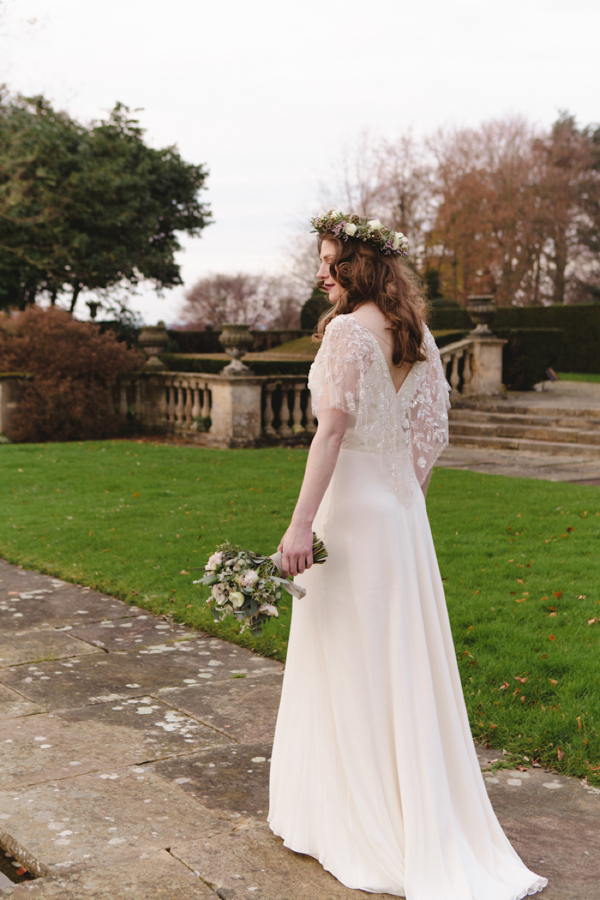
[(296, 549)]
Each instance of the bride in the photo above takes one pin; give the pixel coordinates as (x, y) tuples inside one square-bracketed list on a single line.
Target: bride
[(373, 770)]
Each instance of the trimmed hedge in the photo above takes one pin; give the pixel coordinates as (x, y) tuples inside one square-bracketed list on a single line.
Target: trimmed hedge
[(181, 363), (581, 326), (527, 354), (208, 341)]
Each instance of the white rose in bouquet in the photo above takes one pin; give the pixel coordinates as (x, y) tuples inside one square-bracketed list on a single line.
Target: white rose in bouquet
[(237, 599)]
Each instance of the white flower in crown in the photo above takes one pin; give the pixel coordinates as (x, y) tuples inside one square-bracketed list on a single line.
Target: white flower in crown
[(398, 239), (336, 214), (350, 229), (374, 225)]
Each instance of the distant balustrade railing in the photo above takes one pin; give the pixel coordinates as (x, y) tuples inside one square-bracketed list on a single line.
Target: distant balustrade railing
[(243, 410)]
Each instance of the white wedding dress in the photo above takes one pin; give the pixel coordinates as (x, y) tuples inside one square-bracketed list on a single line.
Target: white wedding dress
[(374, 771)]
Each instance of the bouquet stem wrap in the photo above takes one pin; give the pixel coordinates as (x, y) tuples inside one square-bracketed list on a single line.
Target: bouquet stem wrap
[(294, 589)]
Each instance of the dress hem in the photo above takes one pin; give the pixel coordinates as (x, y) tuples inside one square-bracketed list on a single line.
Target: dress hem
[(538, 885)]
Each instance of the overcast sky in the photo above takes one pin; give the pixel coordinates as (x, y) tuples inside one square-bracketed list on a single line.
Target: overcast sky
[(267, 92)]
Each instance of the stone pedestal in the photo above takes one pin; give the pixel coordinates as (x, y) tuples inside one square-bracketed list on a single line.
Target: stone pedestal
[(236, 410), (486, 366)]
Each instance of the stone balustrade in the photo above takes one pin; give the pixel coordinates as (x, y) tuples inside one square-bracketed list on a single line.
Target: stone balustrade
[(225, 411), (245, 410)]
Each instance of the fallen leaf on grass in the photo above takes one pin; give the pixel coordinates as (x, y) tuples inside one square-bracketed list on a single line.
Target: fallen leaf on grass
[(593, 621), (553, 681), (522, 680), (503, 686), (551, 637), (557, 594), (560, 753), (579, 725)]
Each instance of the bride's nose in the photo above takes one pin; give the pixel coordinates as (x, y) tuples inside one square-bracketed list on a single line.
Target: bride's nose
[(323, 270)]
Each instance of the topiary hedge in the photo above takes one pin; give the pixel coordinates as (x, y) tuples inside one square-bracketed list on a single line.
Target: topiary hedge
[(527, 354), (180, 363), (580, 324)]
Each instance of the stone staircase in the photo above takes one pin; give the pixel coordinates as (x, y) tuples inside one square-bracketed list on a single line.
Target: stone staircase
[(506, 425)]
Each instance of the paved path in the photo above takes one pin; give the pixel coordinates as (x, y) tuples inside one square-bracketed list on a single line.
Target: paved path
[(134, 758)]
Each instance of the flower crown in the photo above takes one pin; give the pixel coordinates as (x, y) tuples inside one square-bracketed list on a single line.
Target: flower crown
[(391, 243)]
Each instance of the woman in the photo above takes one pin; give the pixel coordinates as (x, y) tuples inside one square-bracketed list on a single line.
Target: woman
[(374, 771)]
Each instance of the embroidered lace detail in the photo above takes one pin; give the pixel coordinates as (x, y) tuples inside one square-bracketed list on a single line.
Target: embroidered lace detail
[(407, 429)]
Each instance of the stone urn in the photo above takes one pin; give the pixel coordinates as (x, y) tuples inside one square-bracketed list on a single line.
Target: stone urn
[(153, 339), (236, 341), (481, 311)]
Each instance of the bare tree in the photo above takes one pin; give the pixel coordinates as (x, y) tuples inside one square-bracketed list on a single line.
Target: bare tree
[(255, 300)]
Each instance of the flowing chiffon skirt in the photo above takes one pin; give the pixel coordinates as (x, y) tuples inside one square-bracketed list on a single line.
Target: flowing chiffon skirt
[(374, 771)]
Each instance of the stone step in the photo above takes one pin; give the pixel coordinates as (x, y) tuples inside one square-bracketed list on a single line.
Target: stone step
[(527, 432), (578, 423), (532, 446), (506, 407)]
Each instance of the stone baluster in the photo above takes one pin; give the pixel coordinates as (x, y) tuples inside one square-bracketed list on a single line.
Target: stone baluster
[(205, 411), (284, 415), (196, 409), (467, 372), (297, 409), (179, 408), (454, 376), (189, 402), (268, 410)]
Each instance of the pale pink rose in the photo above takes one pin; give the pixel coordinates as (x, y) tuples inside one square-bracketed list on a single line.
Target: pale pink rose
[(214, 562), (249, 579)]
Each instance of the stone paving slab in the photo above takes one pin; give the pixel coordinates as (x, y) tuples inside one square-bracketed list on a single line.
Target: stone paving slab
[(48, 602), (35, 646), (14, 704), (250, 862), (225, 779), (95, 819), (245, 708), (147, 876), (121, 634), (128, 733), (107, 677), (553, 822)]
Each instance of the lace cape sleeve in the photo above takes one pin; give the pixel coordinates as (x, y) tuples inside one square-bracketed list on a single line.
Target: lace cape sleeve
[(428, 411), (337, 376)]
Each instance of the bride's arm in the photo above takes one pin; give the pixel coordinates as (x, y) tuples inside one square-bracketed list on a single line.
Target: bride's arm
[(296, 544)]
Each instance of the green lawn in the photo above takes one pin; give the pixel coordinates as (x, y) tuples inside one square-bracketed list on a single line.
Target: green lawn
[(579, 376), (520, 560)]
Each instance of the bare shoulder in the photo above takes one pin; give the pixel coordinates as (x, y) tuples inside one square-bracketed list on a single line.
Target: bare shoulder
[(372, 317)]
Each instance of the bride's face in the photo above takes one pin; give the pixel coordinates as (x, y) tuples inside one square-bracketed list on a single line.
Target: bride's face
[(327, 256)]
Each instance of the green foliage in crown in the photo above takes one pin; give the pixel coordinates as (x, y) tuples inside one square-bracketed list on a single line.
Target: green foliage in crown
[(336, 223)]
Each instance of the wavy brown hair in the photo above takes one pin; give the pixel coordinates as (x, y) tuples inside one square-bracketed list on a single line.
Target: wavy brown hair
[(366, 275)]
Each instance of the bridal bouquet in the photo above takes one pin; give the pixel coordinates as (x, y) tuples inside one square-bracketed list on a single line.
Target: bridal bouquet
[(248, 586)]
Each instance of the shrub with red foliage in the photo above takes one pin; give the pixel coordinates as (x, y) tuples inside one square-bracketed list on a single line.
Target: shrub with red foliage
[(74, 369)]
